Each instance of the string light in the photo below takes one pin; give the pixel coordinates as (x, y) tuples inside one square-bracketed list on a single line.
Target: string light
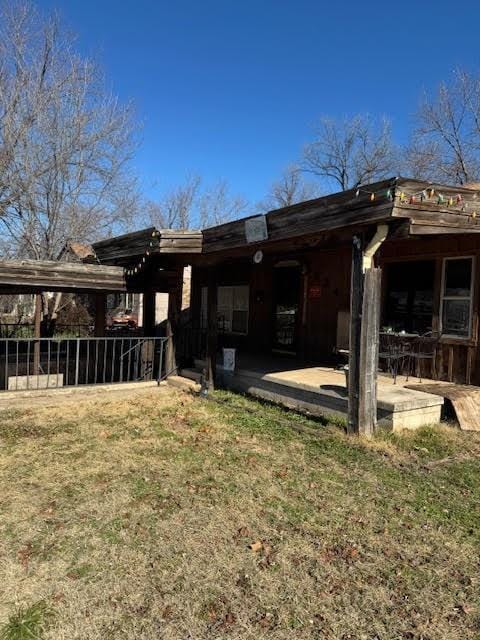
[(422, 196), (143, 260)]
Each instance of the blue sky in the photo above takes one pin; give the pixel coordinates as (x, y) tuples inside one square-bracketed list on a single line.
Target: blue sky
[(233, 89)]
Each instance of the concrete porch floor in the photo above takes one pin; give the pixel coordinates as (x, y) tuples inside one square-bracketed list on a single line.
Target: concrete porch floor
[(322, 390)]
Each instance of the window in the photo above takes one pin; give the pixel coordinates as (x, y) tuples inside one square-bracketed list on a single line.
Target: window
[(457, 293), (409, 296), (232, 309)]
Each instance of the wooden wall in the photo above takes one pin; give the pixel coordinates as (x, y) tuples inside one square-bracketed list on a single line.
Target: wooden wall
[(458, 360), (328, 272)]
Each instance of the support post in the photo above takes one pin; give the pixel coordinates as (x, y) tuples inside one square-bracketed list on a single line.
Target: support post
[(37, 334), (149, 298), (212, 331), (173, 323), (100, 315), (364, 338)]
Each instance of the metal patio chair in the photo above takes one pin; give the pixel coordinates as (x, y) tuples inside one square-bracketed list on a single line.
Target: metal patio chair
[(424, 349), (394, 352)]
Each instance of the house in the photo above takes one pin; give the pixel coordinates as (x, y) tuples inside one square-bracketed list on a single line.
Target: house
[(302, 289)]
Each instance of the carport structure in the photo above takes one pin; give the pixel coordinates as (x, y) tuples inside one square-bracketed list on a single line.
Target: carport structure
[(145, 262)]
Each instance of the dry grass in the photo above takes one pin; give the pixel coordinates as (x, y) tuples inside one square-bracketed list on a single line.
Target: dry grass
[(157, 515)]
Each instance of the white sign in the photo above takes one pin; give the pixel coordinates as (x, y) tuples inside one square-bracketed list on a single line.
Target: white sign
[(229, 359), (256, 229)]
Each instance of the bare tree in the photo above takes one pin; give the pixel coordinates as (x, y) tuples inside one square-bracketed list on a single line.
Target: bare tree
[(189, 206), (289, 189), (218, 205), (176, 208), (446, 142), (351, 151), (65, 142)]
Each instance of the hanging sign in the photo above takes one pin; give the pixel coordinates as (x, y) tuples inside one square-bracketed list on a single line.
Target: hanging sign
[(256, 229), (314, 292)]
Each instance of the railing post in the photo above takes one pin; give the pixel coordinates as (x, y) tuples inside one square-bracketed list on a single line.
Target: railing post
[(37, 332), (77, 362)]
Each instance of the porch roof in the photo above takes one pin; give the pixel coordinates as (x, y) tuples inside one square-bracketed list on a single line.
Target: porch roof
[(411, 207), (414, 207), (125, 249)]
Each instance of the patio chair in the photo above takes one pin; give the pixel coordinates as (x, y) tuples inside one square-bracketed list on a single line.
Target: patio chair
[(394, 352), (424, 349)]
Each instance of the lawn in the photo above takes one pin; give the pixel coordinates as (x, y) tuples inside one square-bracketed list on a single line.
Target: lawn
[(157, 515)]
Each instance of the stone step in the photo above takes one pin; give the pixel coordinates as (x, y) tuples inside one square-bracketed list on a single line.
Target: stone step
[(183, 383), (192, 374)]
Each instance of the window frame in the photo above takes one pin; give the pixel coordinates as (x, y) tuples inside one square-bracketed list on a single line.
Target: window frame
[(470, 297), (203, 307)]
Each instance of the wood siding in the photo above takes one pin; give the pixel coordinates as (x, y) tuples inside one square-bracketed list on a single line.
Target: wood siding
[(328, 271)]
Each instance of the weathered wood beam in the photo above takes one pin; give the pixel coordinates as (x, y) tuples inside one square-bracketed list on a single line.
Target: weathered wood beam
[(365, 300), (130, 246), (45, 275)]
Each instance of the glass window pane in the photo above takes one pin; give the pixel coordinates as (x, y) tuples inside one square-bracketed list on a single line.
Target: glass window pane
[(225, 298), (458, 277), (456, 317), (240, 298), (224, 319)]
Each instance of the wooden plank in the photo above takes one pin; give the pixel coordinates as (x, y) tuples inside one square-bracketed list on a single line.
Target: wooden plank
[(416, 229), (49, 275), (125, 248), (465, 401)]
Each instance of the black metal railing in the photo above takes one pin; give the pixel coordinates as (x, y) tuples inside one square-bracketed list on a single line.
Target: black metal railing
[(45, 363)]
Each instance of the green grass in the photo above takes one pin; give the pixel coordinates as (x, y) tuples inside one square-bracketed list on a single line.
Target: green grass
[(27, 623), (160, 515)]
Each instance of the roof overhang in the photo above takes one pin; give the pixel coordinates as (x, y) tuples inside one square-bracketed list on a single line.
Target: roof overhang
[(30, 276), (128, 248)]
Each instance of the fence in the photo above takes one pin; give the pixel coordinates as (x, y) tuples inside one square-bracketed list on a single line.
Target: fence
[(46, 363)]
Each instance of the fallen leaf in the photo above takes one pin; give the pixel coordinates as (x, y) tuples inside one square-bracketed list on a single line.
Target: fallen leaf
[(243, 532), (256, 546)]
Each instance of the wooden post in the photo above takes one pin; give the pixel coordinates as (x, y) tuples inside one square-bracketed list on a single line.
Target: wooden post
[(173, 323), (37, 334), (356, 299), (100, 315), (212, 331), (364, 339), (149, 299)]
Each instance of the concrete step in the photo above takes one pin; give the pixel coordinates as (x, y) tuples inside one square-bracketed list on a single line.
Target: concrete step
[(191, 374), (185, 384)]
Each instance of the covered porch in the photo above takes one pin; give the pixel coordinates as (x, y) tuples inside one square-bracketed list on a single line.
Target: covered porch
[(55, 359), (315, 281), (322, 391)]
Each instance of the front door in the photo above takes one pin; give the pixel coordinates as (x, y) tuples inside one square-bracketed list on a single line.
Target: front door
[(286, 306)]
